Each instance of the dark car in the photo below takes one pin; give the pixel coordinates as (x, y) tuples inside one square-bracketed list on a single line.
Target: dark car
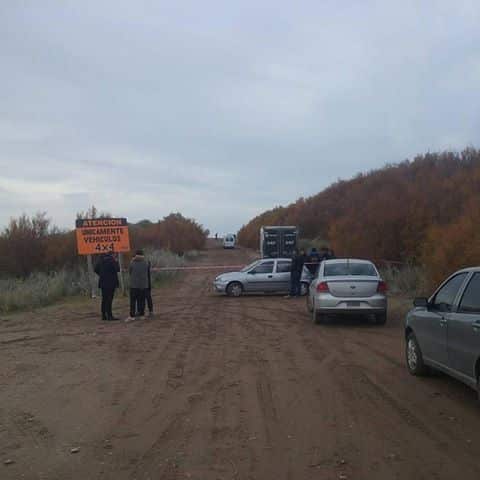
[(443, 332)]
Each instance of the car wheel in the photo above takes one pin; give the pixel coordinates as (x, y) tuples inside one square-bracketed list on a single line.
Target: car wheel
[(381, 318), (304, 288), (317, 317), (414, 357), (234, 289)]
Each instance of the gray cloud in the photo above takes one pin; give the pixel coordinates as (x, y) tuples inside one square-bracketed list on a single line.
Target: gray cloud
[(221, 111)]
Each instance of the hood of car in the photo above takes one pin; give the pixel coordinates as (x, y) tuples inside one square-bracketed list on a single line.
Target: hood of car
[(229, 276)]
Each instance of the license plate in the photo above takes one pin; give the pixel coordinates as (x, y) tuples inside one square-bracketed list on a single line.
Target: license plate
[(353, 304)]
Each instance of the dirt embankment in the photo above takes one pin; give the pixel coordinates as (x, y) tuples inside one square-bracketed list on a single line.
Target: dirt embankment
[(222, 388)]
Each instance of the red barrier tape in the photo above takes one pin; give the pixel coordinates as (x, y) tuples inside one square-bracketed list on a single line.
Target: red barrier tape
[(204, 267)]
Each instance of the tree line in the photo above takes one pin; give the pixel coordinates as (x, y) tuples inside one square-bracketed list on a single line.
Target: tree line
[(34, 244), (424, 211)]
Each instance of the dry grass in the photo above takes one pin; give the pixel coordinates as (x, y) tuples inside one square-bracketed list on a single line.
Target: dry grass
[(407, 280), (40, 289)]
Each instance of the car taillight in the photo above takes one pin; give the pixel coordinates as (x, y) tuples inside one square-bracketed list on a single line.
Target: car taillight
[(382, 287), (322, 287)]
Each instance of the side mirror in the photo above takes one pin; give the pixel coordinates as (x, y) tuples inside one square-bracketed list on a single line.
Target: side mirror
[(251, 272), (420, 302)]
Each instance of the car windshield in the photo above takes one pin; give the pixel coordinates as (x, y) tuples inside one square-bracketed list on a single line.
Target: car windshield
[(248, 267), (349, 268)]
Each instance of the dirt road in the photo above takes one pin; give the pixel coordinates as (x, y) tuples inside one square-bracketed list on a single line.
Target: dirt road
[(223, 388)]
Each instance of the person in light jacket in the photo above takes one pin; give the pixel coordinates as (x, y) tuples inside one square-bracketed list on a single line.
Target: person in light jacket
[(138, 285)]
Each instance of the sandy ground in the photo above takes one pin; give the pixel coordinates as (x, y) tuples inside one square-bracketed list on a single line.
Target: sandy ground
[(223, 388)]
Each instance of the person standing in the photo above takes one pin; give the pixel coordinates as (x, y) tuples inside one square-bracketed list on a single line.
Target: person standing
[(107, 270), (138, 285), (313, 261), (298, 262), (324, 253)]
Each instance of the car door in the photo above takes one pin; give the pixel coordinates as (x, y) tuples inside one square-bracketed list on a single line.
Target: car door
[(260, 277), (282, 275), (431, 323), (463, 340)]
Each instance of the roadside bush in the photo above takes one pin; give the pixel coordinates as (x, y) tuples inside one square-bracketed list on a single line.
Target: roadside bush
[(162, 259), (454, 246), (33, 244), (192, 255), (408, 280), (41, 289), (174, 233)]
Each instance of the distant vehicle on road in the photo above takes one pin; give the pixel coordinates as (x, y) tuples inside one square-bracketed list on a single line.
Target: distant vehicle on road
[(229, 241), (443, 332), (278, 242), (347, 286), (261, 276)]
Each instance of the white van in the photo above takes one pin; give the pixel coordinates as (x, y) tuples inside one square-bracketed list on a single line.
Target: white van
[(229, 241)]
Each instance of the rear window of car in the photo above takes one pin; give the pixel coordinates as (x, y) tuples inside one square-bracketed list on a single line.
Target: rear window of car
[(349, 268)]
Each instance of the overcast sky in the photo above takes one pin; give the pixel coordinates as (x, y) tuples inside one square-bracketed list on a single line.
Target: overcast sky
[(222, 109)]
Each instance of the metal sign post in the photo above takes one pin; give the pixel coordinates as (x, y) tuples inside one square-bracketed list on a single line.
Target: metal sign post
[(122, 281), (91, 277)]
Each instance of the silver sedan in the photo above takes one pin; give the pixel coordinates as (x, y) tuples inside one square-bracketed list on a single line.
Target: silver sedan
[(262, 276), (347, 286)]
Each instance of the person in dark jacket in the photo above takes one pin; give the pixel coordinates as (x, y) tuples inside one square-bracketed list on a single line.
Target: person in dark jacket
[(298, 261), (138, 285), (326, 253), (107, 270), (313, 261), (148, 291)]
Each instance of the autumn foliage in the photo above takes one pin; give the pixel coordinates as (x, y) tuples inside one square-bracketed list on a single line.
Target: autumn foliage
[(174, 233), (425, 211), (32, 244)]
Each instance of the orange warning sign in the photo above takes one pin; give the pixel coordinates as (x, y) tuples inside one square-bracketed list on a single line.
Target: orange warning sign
[(102, 235)]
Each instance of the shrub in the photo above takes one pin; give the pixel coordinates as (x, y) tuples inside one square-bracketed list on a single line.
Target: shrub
[(41, 289), (453, 246), (174, 233), (407, 280)]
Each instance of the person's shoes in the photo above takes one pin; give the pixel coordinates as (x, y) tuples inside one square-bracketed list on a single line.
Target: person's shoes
[(141, 317), (151, 314), (129, 319), (104, 318), (113, 319)]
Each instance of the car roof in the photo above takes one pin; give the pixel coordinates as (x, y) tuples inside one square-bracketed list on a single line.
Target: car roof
[(469, 269), (344, 260), (272, 259)]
